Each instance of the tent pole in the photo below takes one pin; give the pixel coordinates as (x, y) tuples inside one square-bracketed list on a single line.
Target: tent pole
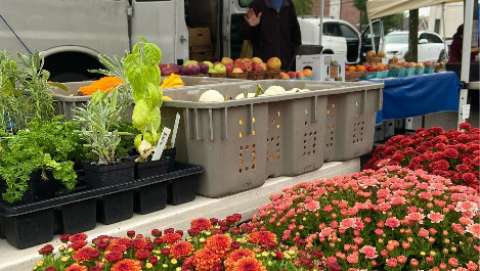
[(372, 35), (322, 8), (464, 108), (444, 32)]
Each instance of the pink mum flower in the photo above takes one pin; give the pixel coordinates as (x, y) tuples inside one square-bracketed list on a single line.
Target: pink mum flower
[(392, 222), (474, 229), (369, 251), (415, 217), (312, 205), (435, 217)]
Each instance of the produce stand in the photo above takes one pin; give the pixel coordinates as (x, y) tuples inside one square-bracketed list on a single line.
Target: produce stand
[(419, 95), (180, 216)]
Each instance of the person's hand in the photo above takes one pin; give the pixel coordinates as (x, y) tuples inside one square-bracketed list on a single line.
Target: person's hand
[(252, 18)]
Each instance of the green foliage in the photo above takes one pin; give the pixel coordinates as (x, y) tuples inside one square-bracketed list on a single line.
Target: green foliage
[(44, 146), (141, 68), (390, 23), (99, 121), (303, 7), (24, 91)]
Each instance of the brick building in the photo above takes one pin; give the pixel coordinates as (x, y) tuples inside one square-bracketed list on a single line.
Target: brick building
[(339, 9)]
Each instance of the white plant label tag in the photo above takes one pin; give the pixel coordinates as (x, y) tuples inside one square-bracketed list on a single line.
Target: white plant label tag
[(175, 129), (161, 144), (466, 111)]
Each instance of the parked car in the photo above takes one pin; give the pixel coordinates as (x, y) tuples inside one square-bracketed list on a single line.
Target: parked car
[(339, 36), (431, 46)]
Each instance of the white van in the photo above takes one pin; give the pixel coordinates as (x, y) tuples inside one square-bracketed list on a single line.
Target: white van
[(71, 33)]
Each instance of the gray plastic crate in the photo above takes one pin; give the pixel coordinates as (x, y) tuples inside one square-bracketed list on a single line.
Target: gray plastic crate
[(351, 119), (66, 101)]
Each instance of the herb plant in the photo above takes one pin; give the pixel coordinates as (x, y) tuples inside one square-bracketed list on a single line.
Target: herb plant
[(99, 121), (141, 68), (45, 146)]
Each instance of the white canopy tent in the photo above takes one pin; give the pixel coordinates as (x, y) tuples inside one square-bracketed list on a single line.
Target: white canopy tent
[(381, 8)]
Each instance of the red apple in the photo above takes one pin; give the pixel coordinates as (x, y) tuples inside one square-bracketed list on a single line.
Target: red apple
[(300, 75), (229, 67), (308, 73), (284, 75), (292, 75)]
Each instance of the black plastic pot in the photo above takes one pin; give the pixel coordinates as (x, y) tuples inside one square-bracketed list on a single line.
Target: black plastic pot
[(183, 189), (77, 217), (29, 229), (97, 176), (151, 198), (115, 208), (40, 188), (156, 168), (2, 234)]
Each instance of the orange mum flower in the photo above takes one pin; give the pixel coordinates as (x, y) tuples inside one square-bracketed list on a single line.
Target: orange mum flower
[(181, 249), (76, 267), (219, 244), (205, 260), (237, 255), (127, 265), (104, 84), (264, 239), (249, 264)]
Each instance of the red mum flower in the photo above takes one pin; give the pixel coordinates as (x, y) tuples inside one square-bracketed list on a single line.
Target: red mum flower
[(451, 153), (181, 249), (46, 250), (79, 237), (171, 237), (219, 244), (114, 256), (86, 254), (264, 239), (50, 268), (76, 267), (142, 254), (101, 242), (127, 265), (200, 224)]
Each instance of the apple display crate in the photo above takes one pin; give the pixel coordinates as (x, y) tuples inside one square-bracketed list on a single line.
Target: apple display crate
[(226, 139), (351, 119)]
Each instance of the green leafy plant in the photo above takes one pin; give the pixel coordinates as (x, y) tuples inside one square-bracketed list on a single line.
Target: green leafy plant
[(44, 146), (24, 91), (99, 121), (141, 68)]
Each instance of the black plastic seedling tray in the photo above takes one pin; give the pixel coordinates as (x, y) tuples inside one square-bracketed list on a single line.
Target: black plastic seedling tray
[(30, 224)]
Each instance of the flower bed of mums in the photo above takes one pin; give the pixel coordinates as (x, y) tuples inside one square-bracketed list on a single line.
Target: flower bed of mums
[(211, 245), (451, 154), (390, 219)]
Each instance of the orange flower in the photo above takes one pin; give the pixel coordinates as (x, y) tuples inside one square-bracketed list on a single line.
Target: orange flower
[(205, 260), (104, 84), (264, 239), (76, 267), (127, 265), (237, 255), (181, 249), (219, 244), (249, 264)]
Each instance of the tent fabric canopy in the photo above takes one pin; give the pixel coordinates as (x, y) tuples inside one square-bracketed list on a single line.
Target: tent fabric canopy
[(382, 8)]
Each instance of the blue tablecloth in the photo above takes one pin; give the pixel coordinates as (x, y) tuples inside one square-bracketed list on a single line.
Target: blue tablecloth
[(419, 95)]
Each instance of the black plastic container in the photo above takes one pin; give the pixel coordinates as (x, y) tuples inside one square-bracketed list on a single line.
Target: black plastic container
[(40, 188), (151, 198), (155, 168), (183, 189), (97, 176), (2, 234), (115, 208), (29, 229), (77, 217)]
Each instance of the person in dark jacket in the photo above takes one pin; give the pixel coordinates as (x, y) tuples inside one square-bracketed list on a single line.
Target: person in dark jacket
[(272, 27)]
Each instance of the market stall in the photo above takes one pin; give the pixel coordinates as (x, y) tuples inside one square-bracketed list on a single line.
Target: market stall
[(381, 8)]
